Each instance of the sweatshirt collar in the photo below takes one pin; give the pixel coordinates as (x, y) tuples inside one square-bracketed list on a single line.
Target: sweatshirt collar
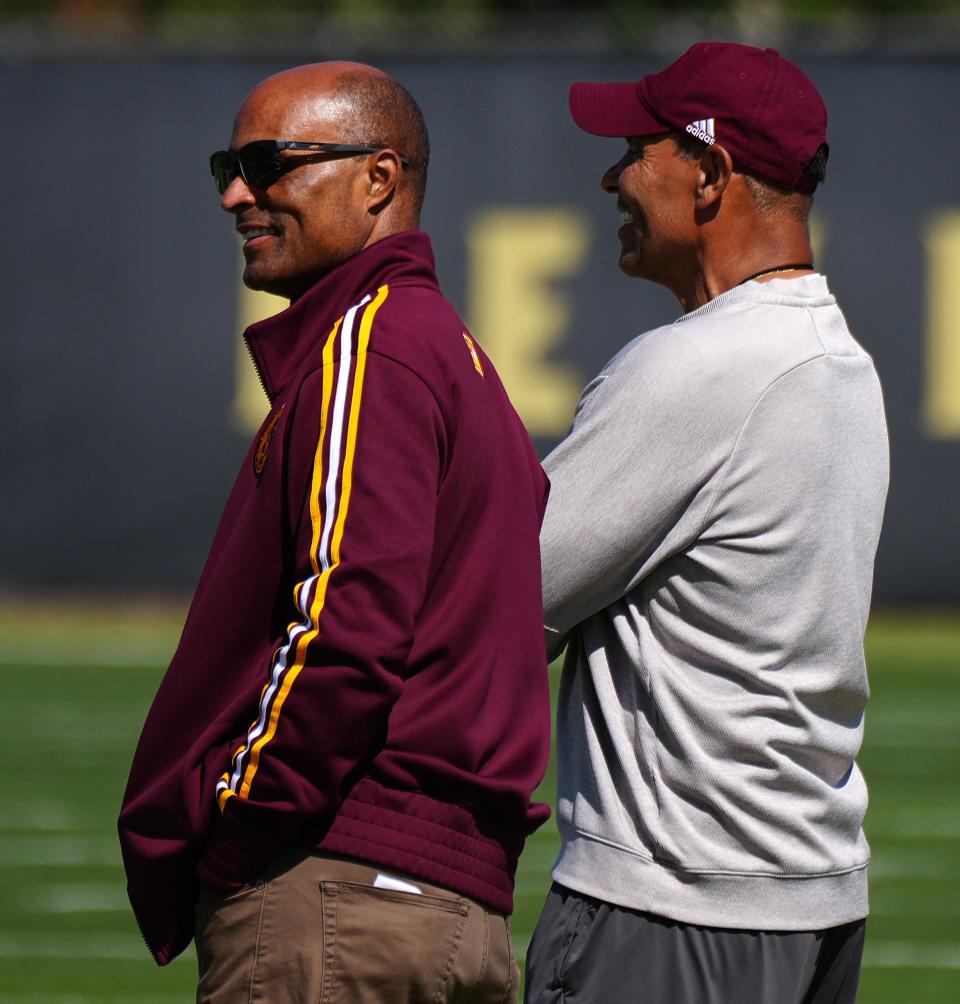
[(806, 291), (279, 344)]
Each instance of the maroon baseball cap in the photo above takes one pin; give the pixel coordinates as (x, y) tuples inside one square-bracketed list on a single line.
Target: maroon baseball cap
[(759, 107)]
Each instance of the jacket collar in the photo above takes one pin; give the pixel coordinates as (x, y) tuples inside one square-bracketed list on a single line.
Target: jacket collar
[(280, 343)]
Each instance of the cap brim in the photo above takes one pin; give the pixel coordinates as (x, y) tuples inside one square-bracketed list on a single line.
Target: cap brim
[(608, 109)]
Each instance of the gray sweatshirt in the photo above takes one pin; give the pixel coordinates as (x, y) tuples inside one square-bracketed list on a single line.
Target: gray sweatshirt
[(708, 554)]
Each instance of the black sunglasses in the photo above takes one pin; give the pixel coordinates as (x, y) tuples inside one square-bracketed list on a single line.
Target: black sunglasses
[(259, 163)]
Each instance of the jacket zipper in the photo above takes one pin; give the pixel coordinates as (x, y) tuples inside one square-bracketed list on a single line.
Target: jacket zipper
[(149, 947), (256, 369)]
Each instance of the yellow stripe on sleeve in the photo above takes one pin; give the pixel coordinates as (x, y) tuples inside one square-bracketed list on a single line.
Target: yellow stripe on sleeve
[(226, 794), (341, 515), (362, 342), (316, 490)]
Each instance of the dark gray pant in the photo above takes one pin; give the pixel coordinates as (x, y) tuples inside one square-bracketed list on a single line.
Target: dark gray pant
[(591, 952)]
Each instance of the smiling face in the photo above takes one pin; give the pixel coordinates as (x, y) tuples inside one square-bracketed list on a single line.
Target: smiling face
[(656, 194), (314, 216)]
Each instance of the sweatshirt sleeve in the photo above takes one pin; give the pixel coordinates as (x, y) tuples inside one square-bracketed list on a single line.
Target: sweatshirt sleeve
[(363, 550), (627, 488)]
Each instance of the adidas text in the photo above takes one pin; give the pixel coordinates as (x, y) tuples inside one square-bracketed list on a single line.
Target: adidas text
[(703, 130)]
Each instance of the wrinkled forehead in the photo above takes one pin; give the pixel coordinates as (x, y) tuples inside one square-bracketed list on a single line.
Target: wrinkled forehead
[(282, 112)]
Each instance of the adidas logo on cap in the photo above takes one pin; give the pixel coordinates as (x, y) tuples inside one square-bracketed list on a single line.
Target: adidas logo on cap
[(703, 130)]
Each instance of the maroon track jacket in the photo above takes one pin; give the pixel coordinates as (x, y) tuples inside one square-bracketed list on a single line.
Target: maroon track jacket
[(362, 669)]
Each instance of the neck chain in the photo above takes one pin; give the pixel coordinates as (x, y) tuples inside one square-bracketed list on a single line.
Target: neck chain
[(796, 266)]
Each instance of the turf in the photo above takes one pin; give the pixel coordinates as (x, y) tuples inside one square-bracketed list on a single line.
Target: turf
[(77, 683)]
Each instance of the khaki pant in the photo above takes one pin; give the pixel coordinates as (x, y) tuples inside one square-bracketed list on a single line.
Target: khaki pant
[(315, 930)]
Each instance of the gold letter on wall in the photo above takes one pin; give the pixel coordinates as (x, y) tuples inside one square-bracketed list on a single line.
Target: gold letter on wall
[(941, 398), (517, 313)]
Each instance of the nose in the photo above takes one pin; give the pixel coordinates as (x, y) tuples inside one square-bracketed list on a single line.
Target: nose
[(236, 196), (611, 178)]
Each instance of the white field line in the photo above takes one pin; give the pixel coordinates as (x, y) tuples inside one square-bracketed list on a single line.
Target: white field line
[(910, 955), (46, 815), (905, 907), (108, 656), (56, 850), (68, 714), (90, 897), (919, 762), (926, 826), (113, 734), (912, 865), (921, 728), (912, 741), (913, 718), (45, 998), (76, 946)]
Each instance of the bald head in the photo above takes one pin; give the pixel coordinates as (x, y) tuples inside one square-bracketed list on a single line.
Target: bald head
[(371, 108), (307, 206), (385, 114)]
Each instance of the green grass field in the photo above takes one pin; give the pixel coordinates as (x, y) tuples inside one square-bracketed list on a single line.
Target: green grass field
[(77, 683)]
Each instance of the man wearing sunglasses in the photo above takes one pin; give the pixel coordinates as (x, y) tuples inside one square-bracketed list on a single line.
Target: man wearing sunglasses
[(333, 785)]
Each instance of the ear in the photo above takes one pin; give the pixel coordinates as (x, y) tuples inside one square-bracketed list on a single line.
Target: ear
[(713, 175), (382, 177)]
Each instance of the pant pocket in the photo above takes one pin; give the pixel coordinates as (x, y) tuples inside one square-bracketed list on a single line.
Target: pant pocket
[(227, 937), (486, 971), (557, 941), (380, 945)]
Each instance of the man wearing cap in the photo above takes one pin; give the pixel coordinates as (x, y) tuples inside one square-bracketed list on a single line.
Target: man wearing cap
[(333, 785), (707, 557)]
